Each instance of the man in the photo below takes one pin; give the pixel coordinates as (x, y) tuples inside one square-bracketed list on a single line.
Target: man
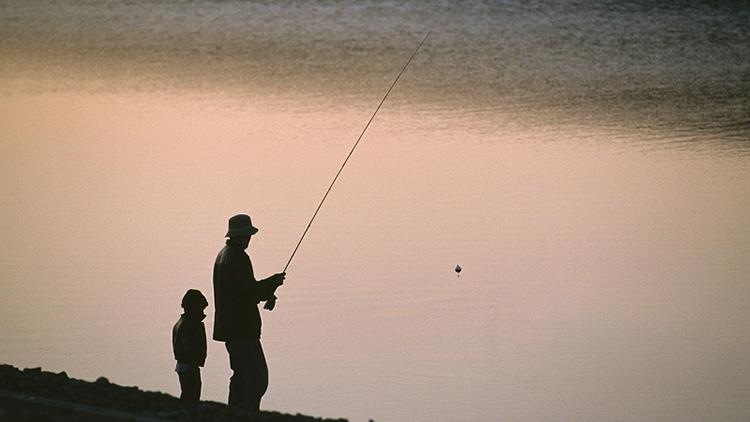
[(237, 318)]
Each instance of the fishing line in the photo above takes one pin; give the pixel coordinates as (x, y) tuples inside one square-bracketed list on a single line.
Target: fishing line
[(353, 148)]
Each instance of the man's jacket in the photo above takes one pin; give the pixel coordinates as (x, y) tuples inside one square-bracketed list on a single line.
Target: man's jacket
[(237, 294)]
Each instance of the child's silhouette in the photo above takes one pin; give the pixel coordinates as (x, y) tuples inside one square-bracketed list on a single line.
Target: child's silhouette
[(189, 344)]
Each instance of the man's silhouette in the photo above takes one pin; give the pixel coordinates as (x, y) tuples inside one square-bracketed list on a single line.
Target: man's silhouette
[(237, 319)]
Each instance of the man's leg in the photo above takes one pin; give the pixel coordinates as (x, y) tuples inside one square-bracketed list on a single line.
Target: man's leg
[(257, 383), (250, 379), (237, 381)]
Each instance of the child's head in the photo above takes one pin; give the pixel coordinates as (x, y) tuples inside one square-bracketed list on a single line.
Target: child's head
[(194, 301)]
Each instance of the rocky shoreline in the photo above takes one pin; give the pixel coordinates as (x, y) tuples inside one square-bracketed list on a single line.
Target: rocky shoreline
[(35, 395)]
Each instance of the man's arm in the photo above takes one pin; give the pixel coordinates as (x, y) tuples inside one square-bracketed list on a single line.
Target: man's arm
[(265, 289)]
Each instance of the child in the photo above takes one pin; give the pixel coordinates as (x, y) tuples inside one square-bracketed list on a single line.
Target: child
[(189, 345)]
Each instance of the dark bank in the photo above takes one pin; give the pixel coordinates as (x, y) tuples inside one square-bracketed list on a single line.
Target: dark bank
[(35, 395)]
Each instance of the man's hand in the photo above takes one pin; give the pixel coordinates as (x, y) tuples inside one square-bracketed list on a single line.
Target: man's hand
[(277, 279), (270, 304)]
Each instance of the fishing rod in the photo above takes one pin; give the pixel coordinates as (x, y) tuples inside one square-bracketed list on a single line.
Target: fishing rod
[(353, 148)]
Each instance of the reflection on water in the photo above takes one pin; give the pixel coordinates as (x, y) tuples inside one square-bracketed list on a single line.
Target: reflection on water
[(599, 279), (651, 66), (585, 164)]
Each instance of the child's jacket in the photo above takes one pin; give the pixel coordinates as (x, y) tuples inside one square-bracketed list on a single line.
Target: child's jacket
[(189, 339)]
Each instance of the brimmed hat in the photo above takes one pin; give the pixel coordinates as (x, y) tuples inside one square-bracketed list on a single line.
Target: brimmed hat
[(194, 299), (241, 226)]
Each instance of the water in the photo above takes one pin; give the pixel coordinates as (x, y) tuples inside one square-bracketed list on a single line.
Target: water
[(586, 163)]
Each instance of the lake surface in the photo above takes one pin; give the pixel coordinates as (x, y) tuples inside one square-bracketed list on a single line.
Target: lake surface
[(586, 163)]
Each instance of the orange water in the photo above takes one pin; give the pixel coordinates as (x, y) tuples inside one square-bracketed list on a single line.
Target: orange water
[(596, 201)]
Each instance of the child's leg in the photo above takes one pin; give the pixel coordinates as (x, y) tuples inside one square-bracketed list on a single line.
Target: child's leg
[(190, 382)]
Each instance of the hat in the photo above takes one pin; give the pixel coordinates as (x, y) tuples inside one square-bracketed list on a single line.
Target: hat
[(241, 226), (194, 299)]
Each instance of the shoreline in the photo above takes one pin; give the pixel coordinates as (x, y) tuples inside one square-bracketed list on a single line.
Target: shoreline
[(36, 395)]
